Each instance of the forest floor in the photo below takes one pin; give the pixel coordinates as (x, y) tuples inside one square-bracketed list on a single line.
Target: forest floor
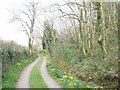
[(23, 81)]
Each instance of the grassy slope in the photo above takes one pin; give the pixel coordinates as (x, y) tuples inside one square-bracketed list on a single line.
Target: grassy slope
[(36, 80), (12, 74)]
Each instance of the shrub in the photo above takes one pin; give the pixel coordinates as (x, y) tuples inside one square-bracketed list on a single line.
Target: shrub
[(12, 53)]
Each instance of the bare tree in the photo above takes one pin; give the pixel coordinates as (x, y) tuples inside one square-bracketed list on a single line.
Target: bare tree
[(27, 19), (75, 14)]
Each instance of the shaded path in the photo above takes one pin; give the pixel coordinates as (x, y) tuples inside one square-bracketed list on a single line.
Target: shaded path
[(50, 82), (23, 81)]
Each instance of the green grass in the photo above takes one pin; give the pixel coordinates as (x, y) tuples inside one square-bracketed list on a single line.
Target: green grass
[(36, 80), (12, 74)]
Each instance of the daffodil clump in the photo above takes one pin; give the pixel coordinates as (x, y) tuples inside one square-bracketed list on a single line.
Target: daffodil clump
[(68, 81)]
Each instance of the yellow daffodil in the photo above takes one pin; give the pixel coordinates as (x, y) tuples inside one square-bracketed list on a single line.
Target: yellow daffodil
[(65, 76), (74, 77), (46, 55), (53, 69), (64, 72), (88, 86), (71, 78), (18, 64)]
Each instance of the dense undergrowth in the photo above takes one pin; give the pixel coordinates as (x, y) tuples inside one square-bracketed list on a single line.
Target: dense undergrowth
[(11, 75), (11, 53), (68, 81), (86, 43), (100, 68), (102, 71)]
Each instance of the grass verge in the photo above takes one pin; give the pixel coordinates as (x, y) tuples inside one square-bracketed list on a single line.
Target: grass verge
[(36, 80), (12, 74)]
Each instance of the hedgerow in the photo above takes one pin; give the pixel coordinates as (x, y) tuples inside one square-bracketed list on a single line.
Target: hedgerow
[(12, 74), (11, 53)]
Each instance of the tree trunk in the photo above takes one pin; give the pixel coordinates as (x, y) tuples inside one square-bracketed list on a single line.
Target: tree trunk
[(30, 46), (104, 29)]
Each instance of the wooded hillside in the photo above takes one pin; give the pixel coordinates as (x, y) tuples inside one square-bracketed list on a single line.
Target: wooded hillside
[(86, 45)]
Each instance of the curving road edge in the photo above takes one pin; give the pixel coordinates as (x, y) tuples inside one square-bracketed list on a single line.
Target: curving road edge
[(23, 81), (50, 82)]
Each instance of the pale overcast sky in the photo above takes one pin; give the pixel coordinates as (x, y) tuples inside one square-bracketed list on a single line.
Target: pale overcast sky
[(10, 31)]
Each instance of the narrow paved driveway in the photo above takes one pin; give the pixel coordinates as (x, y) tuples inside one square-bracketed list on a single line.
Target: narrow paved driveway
[(23, 81), (51, 83)]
